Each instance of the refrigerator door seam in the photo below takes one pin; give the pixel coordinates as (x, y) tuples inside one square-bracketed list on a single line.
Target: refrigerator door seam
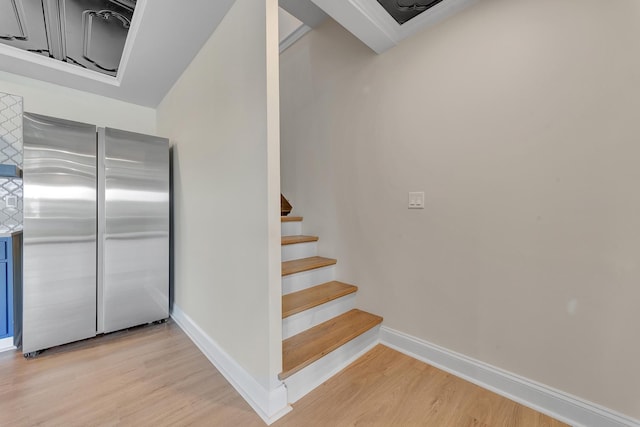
[(100, 239)]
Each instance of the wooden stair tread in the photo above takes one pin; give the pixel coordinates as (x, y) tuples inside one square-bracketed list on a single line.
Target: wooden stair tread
[(290, 218), (292, 240), (297, 302), (305, 264), (305, 348)]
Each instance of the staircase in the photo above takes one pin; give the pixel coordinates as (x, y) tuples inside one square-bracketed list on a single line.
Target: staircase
[(321, 329)]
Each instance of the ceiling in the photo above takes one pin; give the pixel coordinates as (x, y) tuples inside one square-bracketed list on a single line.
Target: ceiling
[(370, 22), (154, 58)]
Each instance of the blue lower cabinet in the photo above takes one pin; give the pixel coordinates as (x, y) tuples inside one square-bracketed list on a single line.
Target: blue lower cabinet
[(6, 289)]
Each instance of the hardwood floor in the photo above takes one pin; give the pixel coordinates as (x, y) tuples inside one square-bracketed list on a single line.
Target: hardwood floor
[(149, 376), (155, 376), (387, 388)]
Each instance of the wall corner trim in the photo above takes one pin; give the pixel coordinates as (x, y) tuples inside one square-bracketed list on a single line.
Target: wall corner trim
[(270, 405), (294, 37), (557, 404)]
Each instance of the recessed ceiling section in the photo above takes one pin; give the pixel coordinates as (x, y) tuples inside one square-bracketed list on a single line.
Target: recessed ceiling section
[(374, 23), (87, 33), (404, 10), (87, 37)]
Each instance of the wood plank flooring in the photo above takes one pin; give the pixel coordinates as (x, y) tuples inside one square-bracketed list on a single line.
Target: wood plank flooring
[(155, 376), (386, 388), (149, 376)]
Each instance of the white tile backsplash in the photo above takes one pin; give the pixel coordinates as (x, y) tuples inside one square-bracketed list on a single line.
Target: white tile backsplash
[(10, 153)]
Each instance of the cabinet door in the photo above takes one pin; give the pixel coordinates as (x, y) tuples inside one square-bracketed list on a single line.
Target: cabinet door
[(4, 302)]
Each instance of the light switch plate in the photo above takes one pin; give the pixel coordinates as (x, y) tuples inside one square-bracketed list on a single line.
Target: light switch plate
[(416, 200)]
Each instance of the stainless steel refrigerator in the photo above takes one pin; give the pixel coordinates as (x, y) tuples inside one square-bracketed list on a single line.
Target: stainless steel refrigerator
[(96, 231)]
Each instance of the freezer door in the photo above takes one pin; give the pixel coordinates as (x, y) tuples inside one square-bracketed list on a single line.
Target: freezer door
[(60, 202), (136, 230)]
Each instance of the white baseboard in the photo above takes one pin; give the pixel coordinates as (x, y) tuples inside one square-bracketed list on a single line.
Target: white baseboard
[(6, 344), (270, 405), (557, 404)]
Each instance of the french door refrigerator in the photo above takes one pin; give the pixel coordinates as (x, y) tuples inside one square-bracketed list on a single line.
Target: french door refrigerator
[(96, 231)]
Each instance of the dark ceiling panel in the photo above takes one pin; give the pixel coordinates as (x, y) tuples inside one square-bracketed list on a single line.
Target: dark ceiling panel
[(22, 25), (404, 10), (95, 32), (87, 33)]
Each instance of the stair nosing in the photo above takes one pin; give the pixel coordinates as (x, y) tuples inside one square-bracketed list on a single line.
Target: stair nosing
[(290, 219), (346, 290), (323, 262), (302, 239), (374, 321)]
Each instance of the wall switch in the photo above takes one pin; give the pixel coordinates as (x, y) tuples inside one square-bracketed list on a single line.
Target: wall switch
[(416, 200), (11, 202)]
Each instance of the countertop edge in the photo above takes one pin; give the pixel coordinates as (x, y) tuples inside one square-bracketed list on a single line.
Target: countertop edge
[(11, 233)]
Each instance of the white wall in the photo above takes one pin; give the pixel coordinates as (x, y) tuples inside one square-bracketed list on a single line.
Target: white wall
[(59, 101), (222, 117), (287, 24), (519, 119)]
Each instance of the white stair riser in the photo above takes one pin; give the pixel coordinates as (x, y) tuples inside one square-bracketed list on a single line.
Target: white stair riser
[(306, 279), (299, 250), (291, 228), (304, 381), (300, 322)]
